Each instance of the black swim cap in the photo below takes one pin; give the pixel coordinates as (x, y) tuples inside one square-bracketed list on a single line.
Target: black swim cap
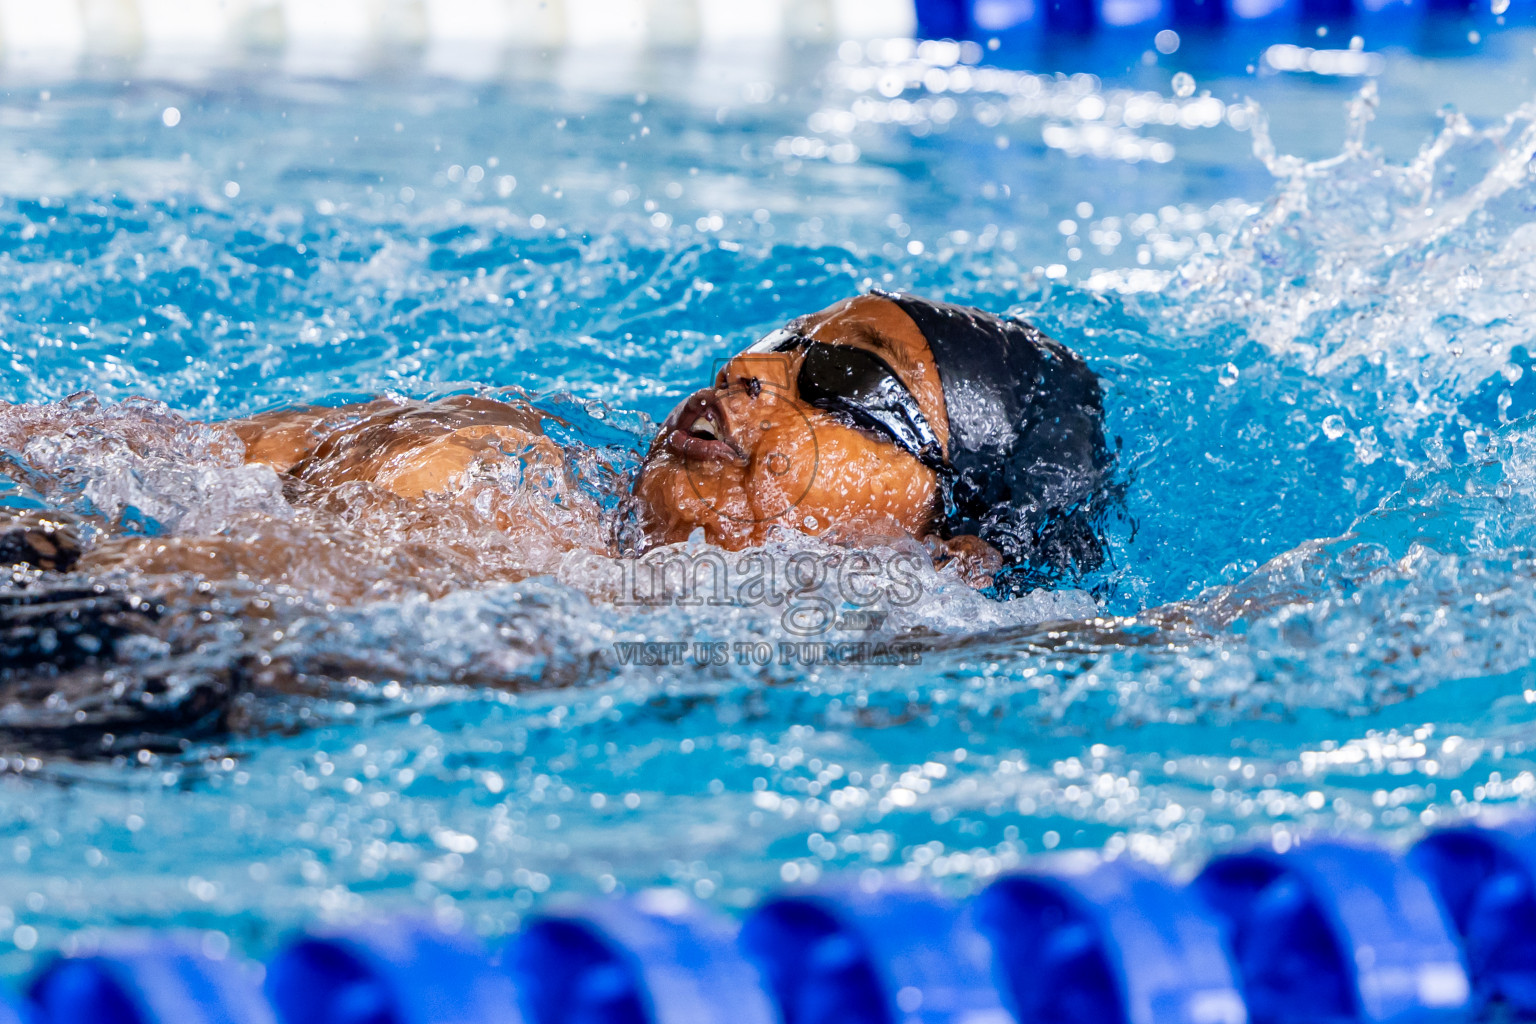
[(1026, 442)]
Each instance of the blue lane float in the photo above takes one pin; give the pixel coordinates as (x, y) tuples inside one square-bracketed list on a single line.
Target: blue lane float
[(149, 980), (883, 954), (1327, 931), (1337, 932), (1116, 944), (404, 972), (975, 19), (655, 959), (1486, 880)]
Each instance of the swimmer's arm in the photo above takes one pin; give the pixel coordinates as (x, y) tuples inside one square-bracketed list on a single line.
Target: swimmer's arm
[(283, 438)]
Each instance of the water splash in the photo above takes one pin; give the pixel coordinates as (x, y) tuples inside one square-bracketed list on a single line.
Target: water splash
[(1317, 605)]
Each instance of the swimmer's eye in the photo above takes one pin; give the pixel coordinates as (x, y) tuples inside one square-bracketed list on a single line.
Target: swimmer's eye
[(751, 385)]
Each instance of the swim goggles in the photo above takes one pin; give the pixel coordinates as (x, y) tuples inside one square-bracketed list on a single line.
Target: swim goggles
[(858, 385)]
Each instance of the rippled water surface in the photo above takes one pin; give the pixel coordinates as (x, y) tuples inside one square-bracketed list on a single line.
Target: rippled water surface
[(1312, 312)]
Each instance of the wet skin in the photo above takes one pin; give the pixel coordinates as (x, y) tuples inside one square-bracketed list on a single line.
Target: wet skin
[(738, 460)]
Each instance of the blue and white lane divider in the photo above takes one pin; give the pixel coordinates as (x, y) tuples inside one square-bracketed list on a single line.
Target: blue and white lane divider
[(147, 980), (659, 958), (971, 19), (1326, 932), (1336, 932), (1117, 943), (1486, 881), (842, 955), (406, 973)]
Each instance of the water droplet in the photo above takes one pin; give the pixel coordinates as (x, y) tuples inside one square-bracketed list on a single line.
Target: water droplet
[(1183, 84), (1228, 375), (170, 117), (1333, 427)]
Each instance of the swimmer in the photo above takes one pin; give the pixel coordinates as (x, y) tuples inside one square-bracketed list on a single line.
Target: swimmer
[(880, 418)]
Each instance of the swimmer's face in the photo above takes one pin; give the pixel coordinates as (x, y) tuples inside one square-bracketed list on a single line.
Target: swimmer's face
[(750, 453)]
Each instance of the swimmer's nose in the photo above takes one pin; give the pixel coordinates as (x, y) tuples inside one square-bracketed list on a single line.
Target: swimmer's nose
[(700, 429)]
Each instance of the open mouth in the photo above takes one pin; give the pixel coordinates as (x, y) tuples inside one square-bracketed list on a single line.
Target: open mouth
[(702, 433)]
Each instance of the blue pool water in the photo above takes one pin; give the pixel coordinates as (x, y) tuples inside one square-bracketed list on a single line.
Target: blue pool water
[(1309, 297)]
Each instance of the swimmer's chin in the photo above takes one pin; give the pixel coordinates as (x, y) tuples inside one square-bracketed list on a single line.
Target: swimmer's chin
[(677, 495), (677, 498)]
